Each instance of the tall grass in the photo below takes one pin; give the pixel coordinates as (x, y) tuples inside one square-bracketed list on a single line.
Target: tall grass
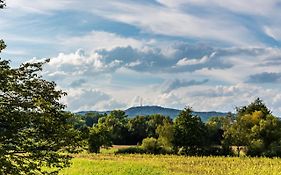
[(110, 164)]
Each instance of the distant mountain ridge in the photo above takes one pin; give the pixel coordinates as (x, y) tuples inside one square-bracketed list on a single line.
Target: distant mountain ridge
[(149, 110)]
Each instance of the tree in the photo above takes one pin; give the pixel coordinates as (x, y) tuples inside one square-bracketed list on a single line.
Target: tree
[(2, 45), (116, 123), (154, 121), (256, 129), (166, 134), (256, 105), (92, 118), (265, 137), (189, 131), (237, 135), (2, 4), (138, 129), (33, 125), (216, 127), (98, 136)]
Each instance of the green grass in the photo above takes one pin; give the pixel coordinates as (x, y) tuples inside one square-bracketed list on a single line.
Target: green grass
[(108, 150), (110, 164)]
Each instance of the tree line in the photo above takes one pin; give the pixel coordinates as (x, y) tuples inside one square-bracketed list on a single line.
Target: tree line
[(252, 130)]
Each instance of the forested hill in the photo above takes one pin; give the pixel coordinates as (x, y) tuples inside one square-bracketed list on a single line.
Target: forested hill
[(149, 110)]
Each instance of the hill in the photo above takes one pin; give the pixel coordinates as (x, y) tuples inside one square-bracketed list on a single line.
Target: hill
[(149, 110)]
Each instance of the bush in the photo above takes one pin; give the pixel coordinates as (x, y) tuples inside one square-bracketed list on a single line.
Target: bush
[(154, 146), (256, 148), (131, 150), (205, 151), (151, 145), (216, 151), (274, 150)]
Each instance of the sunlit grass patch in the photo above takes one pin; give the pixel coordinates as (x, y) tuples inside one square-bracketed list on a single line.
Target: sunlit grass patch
[(99, 164)]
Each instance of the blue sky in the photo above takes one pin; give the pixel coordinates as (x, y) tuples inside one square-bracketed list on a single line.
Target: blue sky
[(211, 55)]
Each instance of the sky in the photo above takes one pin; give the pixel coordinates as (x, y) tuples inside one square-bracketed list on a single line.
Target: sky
[(212, 55)]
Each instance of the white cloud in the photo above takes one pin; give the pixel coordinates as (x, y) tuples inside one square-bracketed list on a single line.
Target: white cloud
[(233, 65), (93, 67), (38, 6), (220, 98), (187, 61), (273, 32), (216, 20), (170, 85), (238, 6), (245, 62), (169, 100), (80, 63), (96, 40), (80, 99), (179, 23)]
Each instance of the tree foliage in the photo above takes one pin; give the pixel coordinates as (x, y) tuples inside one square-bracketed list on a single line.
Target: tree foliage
[(256, 129), (189, 131), (166, 134), (141, 127), (2, 45), (256, 105), (216, 127), (138, 128), (33, 125), (98, 136), (2, 4), (116, 123)]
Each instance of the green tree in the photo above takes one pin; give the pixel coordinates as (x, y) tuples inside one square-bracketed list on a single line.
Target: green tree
[(256, 105), (98, 136), (266, 137), (141, 127), (153, 122), (237, 135), (2, 4), (92, 118), (138, 129), (166, 134), (216, 127), (2, 45), (189, 132), (116, 123), (256, 129), (33, 125)]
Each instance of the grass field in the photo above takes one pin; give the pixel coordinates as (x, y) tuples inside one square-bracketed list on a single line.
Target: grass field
[(110, 164)]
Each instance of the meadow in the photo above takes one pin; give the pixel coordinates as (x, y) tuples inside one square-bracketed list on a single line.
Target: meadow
[(111, 164)]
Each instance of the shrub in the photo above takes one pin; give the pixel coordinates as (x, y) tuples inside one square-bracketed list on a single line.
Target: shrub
[(205, 151), (131, 150), (151, 145)]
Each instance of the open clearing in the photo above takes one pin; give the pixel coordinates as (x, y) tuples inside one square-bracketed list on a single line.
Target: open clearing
[(110, 164)]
